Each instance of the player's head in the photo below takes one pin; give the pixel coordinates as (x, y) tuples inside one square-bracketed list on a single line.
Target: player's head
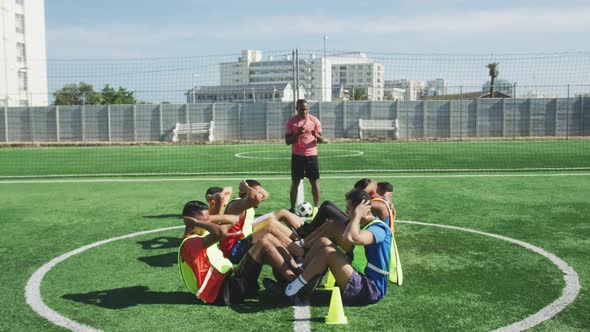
[(302, 108), (354, 198), (367, 185), (384, 188), (212, 191), (197, 210), (252, 184), (213, 197)]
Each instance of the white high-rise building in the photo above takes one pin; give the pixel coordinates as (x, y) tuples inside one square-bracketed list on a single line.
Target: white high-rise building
[(23, 59), (313, 75), (356, 71)]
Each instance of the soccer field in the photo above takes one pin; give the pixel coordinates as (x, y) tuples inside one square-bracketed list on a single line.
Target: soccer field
[(57, 200)]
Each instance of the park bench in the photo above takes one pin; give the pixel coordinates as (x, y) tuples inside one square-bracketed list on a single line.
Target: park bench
[(379, 125), (193, 128)]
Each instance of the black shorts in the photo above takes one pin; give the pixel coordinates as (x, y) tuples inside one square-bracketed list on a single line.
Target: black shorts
[(242, 284), (304, 166)]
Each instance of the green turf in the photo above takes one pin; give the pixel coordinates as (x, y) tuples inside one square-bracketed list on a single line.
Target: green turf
[(275, 157), (453, 280)]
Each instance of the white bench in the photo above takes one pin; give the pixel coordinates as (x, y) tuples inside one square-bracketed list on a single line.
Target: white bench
[(193, 128), (379, 125)]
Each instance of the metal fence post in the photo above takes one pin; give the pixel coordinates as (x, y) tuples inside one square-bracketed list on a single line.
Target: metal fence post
[(424, 122), (31, 124), (6, 120), (134, 110), (160, 124), (503, 116), (57, 128), (477, 117), (461, 113), (266, 120), (109, 130), (567, 114), (83, 122), (531, 117)]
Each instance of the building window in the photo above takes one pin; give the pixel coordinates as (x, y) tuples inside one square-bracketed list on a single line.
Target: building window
[(23, 102), (21, 53), (22, 81), (19, 2), (20, 23)]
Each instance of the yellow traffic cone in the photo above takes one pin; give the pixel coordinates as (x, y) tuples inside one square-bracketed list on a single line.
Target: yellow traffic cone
[(336, 310), (330, 282)]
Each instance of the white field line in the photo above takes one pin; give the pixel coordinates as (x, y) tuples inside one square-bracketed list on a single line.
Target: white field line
[(302, 317), (184, 179), (360, 171), (570, 292)]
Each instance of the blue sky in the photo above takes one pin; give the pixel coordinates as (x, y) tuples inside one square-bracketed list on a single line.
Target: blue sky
[(146, 29)]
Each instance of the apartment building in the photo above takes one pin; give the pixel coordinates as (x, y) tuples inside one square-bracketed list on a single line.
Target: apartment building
[(351, 71), (23, 59), (323, 78)]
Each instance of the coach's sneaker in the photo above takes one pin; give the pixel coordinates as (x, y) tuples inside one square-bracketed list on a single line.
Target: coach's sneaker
[(278, 289)]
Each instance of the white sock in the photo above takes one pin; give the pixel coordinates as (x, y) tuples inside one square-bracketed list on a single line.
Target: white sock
[(295, 286)]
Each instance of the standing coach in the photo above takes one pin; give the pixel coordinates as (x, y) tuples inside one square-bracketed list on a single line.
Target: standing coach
[(303, 132)]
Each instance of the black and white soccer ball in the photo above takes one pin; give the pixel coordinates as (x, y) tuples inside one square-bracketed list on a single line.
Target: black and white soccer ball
[(304, 209)]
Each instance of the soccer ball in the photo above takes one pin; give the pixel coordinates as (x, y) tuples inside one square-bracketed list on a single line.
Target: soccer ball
[(304, 209)]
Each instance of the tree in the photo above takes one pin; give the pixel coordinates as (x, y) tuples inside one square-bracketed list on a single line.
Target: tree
[(120, 96), (356, 94), (81, 94), (493, 71)]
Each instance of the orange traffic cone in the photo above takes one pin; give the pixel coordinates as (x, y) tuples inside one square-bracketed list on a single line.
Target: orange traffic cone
[(336, 310), (330, 282)]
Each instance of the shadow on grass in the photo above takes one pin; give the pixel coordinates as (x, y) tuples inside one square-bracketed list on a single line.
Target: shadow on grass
[(121, 298), (161, 242), (163, 260)]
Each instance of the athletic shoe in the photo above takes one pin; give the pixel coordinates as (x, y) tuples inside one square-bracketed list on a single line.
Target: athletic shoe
[(278, 289), (315, 211), (308, 288)]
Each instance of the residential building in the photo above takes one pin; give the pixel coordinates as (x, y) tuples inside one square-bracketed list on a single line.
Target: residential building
[(251, 69), (23, 59), (355, 70), (240, 93), (437, 87), (320, 76), (414, 90)]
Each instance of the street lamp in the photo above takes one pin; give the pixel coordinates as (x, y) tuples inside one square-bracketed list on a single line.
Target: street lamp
[(194, 88)]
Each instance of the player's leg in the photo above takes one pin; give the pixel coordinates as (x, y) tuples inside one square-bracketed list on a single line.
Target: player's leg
[(279, 232), (270, 251), (312, 172)]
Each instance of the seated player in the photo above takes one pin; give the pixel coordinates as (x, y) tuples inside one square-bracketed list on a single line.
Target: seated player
[(216, 281), (359, 287), (385, 191), (238, 240)]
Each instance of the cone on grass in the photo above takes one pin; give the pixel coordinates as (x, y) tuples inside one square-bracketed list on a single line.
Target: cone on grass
[(330, 282), (336, 309)]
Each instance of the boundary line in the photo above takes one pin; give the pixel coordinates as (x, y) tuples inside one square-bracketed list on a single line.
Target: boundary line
[(302, 317), (441, 176), (426, 170)]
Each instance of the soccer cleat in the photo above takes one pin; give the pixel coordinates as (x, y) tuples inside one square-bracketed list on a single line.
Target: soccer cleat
[(315, 211)]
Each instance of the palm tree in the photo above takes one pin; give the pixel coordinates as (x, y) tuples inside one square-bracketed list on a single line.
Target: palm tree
[(494, 71), (356, 94)]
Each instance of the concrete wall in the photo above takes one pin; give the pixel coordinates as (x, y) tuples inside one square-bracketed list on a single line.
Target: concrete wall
[(561, 117)]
